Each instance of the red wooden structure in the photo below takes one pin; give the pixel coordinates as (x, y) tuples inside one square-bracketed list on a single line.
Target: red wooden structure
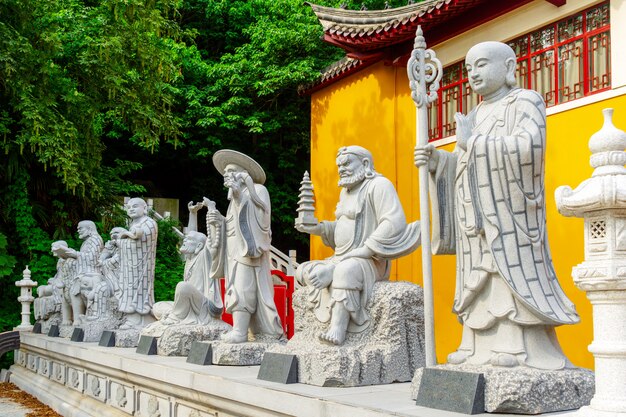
[(283, 296)]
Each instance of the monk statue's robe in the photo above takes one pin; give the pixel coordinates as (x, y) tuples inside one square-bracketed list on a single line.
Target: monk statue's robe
[(489, 209)]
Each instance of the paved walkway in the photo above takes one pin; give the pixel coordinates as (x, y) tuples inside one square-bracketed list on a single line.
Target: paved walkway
[(10, 409)]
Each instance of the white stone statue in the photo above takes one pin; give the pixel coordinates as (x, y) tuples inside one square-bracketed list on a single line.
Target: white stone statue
[(369, 231), (489, 208), (64, 278), (242, 253), (50, 297), (109, 286), (197, 299), (137, 251), (88, 272)]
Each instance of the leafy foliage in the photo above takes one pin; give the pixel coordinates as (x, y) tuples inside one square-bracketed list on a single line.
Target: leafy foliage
[(169, 268), (7, 263), (102, 98)]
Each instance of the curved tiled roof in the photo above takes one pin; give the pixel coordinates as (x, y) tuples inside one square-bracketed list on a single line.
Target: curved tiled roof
[(335, 71), (369, 36), (367, 30)]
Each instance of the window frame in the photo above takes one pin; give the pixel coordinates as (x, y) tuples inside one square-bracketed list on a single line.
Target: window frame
[(436, 132)]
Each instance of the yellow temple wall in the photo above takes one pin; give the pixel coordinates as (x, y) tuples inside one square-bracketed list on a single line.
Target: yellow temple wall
[(373, 108)]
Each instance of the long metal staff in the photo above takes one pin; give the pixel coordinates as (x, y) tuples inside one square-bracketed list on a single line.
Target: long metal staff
[(424, 70)]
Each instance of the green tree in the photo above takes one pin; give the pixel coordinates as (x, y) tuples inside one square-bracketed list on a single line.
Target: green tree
[(102, 98), (75, 76)]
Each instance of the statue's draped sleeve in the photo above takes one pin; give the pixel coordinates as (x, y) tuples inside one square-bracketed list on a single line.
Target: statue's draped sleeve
[(441, 192), (392, 237), (218, 263)]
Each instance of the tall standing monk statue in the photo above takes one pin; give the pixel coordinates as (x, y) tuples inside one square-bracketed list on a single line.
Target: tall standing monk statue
[(489, 208), (369, 231), (137, 252), (242, 255), (88, 273)]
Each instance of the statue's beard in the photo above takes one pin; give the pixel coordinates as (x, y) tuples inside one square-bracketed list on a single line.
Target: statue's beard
[(356, 178), (188, 253)]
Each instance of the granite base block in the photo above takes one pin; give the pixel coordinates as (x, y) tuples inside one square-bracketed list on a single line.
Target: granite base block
[(147, 345), (127, 338), (390, 350), (66, 330), (240, 354), (461, 392), (54, 331), (277, 367), (523, 390), (176, 340), (200, 354), (94, 329), (78, 335), (107, 339)]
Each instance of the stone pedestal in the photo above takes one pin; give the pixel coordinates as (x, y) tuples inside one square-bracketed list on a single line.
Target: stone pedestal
[(241, 354), (176, 340), (65, 331), (601, 201), (46, 324), (94, 329), (390, 350), (523, 390), (127, 338)]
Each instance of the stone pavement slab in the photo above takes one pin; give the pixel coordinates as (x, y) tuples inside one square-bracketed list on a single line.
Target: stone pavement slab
[(10, 409)]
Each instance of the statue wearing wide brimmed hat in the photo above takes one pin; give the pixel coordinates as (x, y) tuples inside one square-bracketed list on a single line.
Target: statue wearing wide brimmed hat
[(242, 253), (224, 157)]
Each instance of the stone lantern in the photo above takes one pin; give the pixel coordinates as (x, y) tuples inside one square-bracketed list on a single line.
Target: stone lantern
[(26, 298), (601, 202)]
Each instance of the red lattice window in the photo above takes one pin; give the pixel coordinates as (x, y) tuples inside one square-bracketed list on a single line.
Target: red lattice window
[(563, 61)]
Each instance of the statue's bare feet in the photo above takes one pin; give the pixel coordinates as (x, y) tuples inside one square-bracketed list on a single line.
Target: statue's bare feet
[(504, 359), (234, 336), (460, 356), (334, 335), (66, 323)]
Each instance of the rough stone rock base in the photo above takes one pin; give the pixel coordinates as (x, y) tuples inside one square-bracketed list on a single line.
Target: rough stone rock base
[(176, 339), (522, 390), (241, 354), (390, 350), (65, 331), (127, 338), (46, 324), (93, 329)]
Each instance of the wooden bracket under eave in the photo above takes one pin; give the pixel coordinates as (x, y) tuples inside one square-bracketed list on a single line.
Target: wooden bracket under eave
[(557, 3)]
